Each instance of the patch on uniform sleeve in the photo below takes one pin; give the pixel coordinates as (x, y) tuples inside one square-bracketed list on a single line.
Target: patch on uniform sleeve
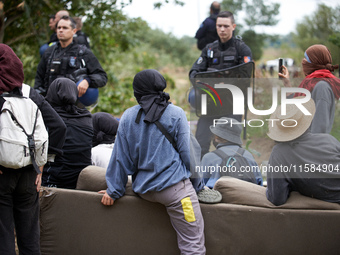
[(246, 59), (199, 60), (188, 210)]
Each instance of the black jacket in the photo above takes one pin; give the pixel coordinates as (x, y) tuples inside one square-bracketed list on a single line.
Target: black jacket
[(81, 38), (75, 62), (55, 125), (64, 171), (207, 32), (218, 56)]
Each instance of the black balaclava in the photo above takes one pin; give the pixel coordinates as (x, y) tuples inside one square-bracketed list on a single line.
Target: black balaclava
[(148, 86)]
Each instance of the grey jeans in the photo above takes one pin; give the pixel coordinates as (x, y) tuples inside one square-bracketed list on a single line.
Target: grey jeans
[(185, 214)]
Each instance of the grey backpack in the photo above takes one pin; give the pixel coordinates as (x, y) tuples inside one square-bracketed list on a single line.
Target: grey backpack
[(232, 165)]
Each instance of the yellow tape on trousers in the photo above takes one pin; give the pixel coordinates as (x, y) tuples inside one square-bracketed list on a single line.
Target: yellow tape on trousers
[(188, 210)]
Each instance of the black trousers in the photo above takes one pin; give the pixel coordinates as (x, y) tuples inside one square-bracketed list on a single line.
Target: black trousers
[(19, 210)]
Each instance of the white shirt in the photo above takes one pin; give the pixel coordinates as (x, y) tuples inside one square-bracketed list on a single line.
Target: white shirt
[(101, 154)]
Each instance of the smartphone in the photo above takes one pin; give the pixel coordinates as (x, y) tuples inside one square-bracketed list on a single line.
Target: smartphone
[(280, 65)]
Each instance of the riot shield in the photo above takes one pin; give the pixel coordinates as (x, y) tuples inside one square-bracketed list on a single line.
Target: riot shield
[(223, 92)]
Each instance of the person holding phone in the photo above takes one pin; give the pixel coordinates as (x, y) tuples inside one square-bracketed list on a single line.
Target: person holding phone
[(323, 85)]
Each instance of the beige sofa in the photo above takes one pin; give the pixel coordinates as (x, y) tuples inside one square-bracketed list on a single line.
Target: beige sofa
[(245, 222)]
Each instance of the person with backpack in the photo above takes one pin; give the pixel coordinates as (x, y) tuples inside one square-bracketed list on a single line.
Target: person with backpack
[(229, 158), (227, 51), (71, 60), (153, 145), (19, 186)]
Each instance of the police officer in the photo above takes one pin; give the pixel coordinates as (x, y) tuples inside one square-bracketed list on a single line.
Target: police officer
[(71, 60), (207, 31), (53, 26), (80, 36), (227, 51)]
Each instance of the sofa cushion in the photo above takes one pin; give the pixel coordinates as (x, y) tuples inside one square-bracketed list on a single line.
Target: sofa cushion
[(235, 191), (92, 178)]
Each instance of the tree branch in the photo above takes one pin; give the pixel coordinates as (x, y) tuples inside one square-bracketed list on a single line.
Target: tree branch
[(13, 14), (20, 38), (19, 8)]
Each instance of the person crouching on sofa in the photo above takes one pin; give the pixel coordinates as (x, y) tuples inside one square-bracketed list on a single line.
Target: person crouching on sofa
[(160, 170)]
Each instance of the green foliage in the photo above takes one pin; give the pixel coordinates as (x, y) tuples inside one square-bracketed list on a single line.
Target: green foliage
[(121, 67), (233, 6), (180, 49), (114, 100), (335, 39), (29, 61), (158, 5), (255, 42), (258, 13), (169, 81), (321, 27)]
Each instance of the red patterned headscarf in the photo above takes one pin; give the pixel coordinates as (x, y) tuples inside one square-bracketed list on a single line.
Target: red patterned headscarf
[(11, 70), (317, 65)]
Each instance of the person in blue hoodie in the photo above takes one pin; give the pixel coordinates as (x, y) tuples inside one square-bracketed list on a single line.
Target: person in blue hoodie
[(160, 169)]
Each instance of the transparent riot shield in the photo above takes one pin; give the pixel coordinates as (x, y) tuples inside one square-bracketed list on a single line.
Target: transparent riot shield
[(224, 92)]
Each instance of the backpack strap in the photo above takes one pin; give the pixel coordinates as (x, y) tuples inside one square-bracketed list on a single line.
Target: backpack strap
[(220, 153), (160, 127), (166, 133), (228, 160), (240, 151)]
